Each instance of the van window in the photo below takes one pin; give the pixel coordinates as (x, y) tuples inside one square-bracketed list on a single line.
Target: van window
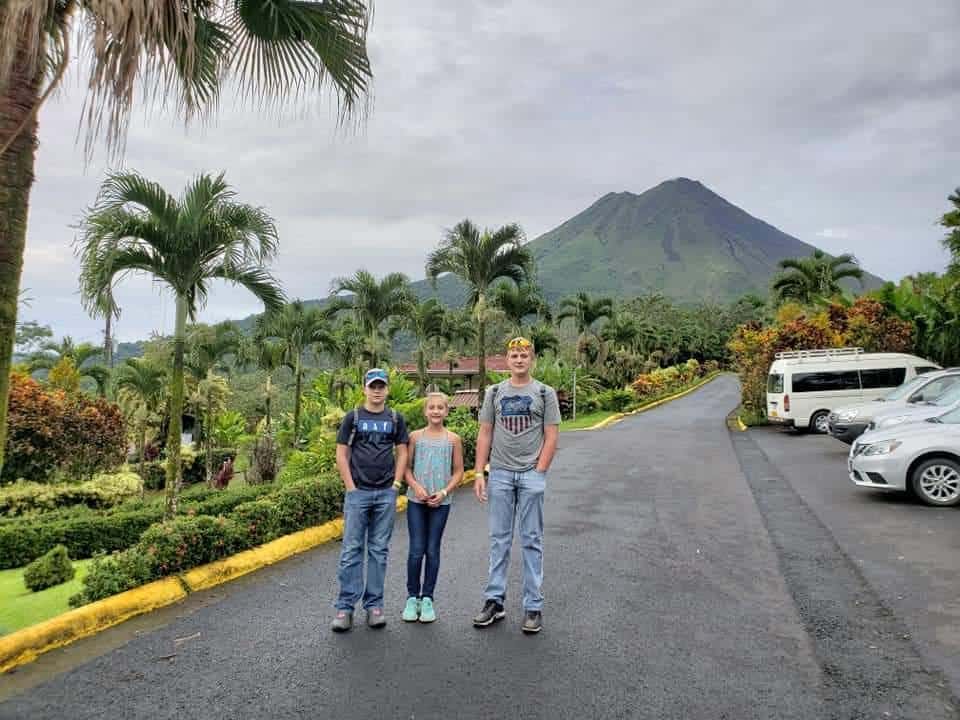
[(925, 369), (774, 384), (882, 377), (828, 381)]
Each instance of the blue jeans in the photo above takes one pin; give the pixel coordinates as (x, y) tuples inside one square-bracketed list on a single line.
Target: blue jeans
[(426, 526), (368, 517), (510, 494)]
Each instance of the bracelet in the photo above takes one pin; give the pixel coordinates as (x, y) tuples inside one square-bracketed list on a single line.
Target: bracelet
[(444, 491)]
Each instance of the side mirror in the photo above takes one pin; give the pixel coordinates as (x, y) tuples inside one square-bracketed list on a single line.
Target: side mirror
[(918, 397)]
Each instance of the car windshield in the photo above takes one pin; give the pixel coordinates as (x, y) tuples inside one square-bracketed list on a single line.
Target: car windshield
[(948, 398), (901, 392)]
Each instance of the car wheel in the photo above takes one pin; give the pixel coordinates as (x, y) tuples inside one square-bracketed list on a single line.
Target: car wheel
[(819, 422), (937, 482)]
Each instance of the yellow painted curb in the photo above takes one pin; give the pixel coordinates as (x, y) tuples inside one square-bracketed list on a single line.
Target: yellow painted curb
[(657, 403), (25, 645), (743, 428)]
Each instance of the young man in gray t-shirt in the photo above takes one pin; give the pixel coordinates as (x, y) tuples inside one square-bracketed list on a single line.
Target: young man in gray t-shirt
[(519, 426)]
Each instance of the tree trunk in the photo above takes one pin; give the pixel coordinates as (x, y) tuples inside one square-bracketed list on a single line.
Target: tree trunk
[(267, 403), (143, 456), (482, 358), (422, 368), (17, 99), (208, 435), (174, 474), (108, 341), (298, 383)]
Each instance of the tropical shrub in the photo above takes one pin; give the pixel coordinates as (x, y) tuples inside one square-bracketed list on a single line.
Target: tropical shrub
[(52, 434), (258, 520), (413, 414), (264, 460), (228, 428), (192, 469), (462, 422), (303, 464), (616, 400), (185, 542), (103, 491), (51, 569), (112, 574)]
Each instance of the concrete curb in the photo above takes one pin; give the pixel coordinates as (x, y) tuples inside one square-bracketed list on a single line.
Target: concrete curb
[(657, 403), (24, 646)]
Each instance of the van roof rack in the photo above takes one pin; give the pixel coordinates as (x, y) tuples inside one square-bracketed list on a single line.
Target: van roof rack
[(819, 353)]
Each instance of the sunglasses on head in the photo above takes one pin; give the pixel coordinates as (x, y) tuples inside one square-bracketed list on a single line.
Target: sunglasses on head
[(519, 343)]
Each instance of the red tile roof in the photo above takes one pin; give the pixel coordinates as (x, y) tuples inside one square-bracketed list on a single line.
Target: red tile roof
[(464, 366)]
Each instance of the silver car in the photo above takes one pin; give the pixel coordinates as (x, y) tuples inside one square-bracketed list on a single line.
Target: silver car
[(921, 458), (917, 412)]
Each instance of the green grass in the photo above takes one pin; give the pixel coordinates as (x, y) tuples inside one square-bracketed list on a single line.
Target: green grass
[(585, 421), (20, 608)]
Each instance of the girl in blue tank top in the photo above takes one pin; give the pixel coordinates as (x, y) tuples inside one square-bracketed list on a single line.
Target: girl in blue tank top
[(437, 468)]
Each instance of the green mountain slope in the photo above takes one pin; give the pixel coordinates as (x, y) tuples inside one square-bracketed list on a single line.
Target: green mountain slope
[(678, 238)]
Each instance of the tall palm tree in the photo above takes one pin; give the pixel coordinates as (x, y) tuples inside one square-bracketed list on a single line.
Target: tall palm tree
[(144, 381), (206, 350), (951, 221), (185, 243), (299, 329), (80, 354), (804, 280), (479, 258), (184, 51), (585, 311), (457, 330), (269, 356), (544, 338), (424, 320), (622, 331), (518, 302), (373, 302)]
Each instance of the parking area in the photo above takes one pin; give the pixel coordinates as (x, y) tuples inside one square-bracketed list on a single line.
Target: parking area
[(908, 552)]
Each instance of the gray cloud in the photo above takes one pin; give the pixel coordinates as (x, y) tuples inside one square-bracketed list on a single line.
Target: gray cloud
[(835, 124)]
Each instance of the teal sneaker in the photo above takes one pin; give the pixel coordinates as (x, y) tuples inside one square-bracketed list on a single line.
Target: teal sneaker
[(411, 611), (427, 615)]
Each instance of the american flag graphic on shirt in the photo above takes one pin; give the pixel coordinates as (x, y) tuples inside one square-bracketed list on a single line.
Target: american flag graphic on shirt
[(516, 414)]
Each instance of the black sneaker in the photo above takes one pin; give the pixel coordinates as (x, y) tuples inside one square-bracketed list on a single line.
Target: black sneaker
[(492, 611), (532, 621)]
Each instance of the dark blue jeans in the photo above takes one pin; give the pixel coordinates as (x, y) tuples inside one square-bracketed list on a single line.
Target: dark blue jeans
[(367, 520), (426, 526)]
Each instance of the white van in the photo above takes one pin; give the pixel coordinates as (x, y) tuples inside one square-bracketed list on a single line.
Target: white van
[(805, 385)]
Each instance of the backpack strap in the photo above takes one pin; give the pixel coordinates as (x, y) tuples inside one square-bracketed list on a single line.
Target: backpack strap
[(353, 429), (543, 401)]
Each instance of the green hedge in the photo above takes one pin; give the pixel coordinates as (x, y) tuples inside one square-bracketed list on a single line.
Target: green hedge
[(103, 491), (185, 542), (86, 533)]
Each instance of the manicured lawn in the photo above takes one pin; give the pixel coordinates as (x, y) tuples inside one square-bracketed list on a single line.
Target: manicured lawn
[(585, 421), (20, 608)]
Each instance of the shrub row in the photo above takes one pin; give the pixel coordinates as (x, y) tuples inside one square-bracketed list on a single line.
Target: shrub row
[(186, 542), (86, 533), (103, 491)]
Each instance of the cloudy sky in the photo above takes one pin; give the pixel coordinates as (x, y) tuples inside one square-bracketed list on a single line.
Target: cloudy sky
[(836, 124)]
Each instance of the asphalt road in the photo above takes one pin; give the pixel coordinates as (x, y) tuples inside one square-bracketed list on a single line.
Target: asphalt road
[(686, 577)]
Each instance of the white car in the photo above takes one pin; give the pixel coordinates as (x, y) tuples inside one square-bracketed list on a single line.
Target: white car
[(921, 458), (848, 423), (917, 412)]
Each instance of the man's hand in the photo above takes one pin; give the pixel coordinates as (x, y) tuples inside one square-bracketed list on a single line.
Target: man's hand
[(480, 487)]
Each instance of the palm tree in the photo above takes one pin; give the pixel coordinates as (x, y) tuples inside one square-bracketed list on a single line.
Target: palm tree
[(518, 302), (456, 331), (951, 221), (805, 279), (544, 338), (135, 226), (424, 320), (586, 312), (80, 354), (622, 331), (185, 52), (206, 350), (269, 356), (143, 380), (299, 329), (479, 258), (373, 303)]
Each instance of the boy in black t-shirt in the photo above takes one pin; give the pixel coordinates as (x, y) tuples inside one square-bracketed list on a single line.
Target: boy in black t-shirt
[(368, 438)]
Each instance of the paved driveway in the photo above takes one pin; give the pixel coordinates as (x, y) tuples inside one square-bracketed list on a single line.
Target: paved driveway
[(671, 592)]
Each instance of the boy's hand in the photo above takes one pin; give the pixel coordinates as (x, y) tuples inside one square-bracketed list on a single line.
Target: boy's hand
[(480, 487)]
